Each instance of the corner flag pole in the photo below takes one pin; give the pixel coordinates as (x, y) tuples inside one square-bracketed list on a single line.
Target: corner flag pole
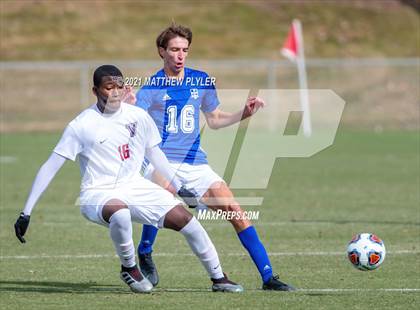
[(293, 50)]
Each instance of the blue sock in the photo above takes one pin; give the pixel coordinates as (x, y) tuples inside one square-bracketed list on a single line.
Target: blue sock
[(148, 237), (256, 250)]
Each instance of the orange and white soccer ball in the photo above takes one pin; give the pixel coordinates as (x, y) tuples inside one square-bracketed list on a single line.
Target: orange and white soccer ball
[(366, 251)]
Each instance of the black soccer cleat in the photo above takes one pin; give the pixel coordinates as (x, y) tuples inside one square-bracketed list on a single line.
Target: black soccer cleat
[(225, 285), (148, 268), (135, 280), (274, 284)]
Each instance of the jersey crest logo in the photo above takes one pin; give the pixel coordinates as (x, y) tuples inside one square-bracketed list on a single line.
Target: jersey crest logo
[(166, 97), (132, 127), (194, 93)]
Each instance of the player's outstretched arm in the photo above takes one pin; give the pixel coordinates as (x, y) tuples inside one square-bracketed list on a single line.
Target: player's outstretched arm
[(45, 175), (219, 119), (158, 159)]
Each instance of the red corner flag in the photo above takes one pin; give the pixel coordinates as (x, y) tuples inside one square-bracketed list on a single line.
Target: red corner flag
[(293, 50), (290, 46)]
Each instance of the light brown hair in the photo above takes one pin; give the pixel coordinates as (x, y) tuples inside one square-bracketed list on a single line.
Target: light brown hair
[(171, 32)]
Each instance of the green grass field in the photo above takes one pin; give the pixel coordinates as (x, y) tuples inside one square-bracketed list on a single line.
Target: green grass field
[(365, 182), (44, 29)]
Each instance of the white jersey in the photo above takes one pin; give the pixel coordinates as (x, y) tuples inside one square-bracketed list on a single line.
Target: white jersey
[(110, 147)]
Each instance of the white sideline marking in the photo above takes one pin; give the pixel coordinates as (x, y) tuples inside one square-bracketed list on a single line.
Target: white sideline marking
[(308, 290), (326, 290), (221, 222), (81, 256), (7, 159)]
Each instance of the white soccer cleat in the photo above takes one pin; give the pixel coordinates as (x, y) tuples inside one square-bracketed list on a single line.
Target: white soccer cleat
[(135, 280)]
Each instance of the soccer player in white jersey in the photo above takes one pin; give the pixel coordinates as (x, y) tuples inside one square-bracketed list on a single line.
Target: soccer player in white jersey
[(175, 103), (111, 138)]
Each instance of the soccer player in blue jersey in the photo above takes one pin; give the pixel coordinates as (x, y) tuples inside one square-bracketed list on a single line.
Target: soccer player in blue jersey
[(174, 97)]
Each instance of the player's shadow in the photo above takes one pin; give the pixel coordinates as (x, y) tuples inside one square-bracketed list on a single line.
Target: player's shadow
[(60, 287), (181, 290), (55, 287)]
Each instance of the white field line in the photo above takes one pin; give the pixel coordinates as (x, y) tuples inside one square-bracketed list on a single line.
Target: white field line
[(86, 256), (7, 159), (308, 290), (326, 290), (221, 222)]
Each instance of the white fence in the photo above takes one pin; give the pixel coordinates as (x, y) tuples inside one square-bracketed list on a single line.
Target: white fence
[(379, 92)]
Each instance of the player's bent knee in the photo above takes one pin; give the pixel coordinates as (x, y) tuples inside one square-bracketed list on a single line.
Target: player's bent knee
[(121, 219), (111, 207), (177, 218)]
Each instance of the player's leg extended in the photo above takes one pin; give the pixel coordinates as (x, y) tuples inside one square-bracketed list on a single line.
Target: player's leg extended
[(117, 214), (219, 196), (179, 219)]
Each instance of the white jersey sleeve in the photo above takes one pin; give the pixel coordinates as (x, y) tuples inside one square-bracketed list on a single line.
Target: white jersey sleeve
[(152, 132), (69, 145), (45, 175)]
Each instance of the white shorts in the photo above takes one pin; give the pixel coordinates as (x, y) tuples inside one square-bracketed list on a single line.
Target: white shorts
[(196, 178), (148, 202)]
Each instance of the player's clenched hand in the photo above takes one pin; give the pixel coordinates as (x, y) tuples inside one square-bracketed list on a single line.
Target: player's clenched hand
[(21, 226), (188, 197), (128, 95), (253, 104)]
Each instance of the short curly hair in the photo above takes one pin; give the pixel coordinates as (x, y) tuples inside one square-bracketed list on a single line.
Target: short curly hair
[(105, 70)]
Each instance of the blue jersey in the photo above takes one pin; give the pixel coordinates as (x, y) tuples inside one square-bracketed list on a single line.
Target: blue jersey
[(175, 107)]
